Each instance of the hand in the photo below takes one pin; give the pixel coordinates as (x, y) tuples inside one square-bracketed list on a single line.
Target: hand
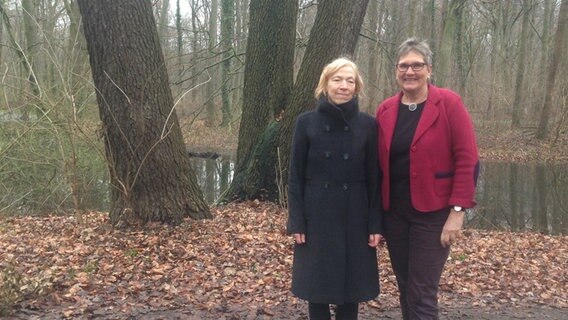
[(300, 238), (452, 228), (375, 240)]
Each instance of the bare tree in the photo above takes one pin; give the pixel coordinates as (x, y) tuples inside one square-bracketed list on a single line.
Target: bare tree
[(212, 43), (151, 176), (519, 79), (559, 47), (163, 23), (227, 38)]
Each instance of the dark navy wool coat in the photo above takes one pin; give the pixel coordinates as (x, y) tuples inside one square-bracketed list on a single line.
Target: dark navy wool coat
[(333, 197)]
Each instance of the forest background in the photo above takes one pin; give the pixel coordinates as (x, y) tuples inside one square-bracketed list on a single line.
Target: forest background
[(505, 58)]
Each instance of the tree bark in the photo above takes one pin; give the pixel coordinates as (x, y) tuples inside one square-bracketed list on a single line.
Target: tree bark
[(335, 33), (268, 79), (151, 176)]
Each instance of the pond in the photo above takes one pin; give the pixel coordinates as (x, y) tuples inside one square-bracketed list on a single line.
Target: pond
[(519, 197), (510, 196)]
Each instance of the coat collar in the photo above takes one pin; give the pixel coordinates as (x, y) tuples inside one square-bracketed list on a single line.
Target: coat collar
[(387, 118), (343, 112)]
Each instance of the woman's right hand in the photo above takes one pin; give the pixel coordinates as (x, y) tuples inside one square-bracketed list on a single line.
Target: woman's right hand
[(300, 238)]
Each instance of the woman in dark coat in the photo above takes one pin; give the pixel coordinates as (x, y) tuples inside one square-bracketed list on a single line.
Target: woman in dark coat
[(333, 198)]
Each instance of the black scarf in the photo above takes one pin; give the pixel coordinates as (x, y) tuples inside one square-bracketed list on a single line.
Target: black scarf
[(342, 112)]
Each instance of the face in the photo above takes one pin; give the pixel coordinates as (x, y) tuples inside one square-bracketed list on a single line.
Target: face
[(411, 80), (341, 86)]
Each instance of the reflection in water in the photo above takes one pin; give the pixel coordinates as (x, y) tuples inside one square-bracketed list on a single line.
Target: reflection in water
[(213, 175), (510, 196), (522, 197)]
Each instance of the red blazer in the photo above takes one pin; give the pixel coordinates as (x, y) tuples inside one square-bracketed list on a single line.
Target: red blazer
[(444, 161)]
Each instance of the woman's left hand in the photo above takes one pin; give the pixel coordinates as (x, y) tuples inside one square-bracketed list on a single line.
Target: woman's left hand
[(374, 240), (452, 228)]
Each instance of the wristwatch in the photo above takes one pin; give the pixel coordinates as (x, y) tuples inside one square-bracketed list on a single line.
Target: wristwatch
[(458, 209)]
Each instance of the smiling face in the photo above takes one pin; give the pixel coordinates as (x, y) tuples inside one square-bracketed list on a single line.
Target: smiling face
[(341, 86), (411, 81)]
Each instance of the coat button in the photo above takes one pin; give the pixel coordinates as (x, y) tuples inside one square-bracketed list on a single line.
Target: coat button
[(345, 156), (346, 128), (414, 175), (413, 148), (327, 154), (345, 187), (327, 128), (326, 185)]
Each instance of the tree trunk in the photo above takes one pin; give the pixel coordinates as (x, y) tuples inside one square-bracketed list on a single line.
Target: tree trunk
[(179, 42), (374, 53), (519, 79), (447, 42), (335, 33), (268, 79), (544, 51), (210, 89), (194, 46), (227, 37), (332, 17), (26, 62), (559, 47), (513, 195), (412, 10), (31, 34), (459, 45), (1, 29), (151, 176), (163, 24)]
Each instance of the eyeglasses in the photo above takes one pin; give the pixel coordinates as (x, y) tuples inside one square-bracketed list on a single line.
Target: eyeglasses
[(402, 67)]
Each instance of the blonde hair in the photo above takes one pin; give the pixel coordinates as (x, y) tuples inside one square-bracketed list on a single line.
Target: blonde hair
[(330, 69)]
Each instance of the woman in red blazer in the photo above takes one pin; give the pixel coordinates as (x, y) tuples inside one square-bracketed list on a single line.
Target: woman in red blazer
[(429, 160)]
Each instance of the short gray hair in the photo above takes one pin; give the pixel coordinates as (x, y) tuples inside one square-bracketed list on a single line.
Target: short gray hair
[(414, 45)]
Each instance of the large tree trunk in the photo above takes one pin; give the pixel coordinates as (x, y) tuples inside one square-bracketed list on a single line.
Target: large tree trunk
[(333, 17), (268, 78), (335, 33), (150, 172)]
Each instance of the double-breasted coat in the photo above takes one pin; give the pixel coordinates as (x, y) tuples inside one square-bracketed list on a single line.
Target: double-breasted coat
[(333, 197)]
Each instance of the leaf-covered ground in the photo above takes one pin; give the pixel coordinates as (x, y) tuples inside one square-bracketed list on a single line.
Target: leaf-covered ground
[(237, 266)]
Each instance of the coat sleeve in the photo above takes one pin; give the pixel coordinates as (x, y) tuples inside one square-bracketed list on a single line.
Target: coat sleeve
[(373, 181), (298, 158), (465, 155)]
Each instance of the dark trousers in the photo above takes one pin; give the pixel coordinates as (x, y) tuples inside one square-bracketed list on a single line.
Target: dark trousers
[(320, 311), (417, 257)]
